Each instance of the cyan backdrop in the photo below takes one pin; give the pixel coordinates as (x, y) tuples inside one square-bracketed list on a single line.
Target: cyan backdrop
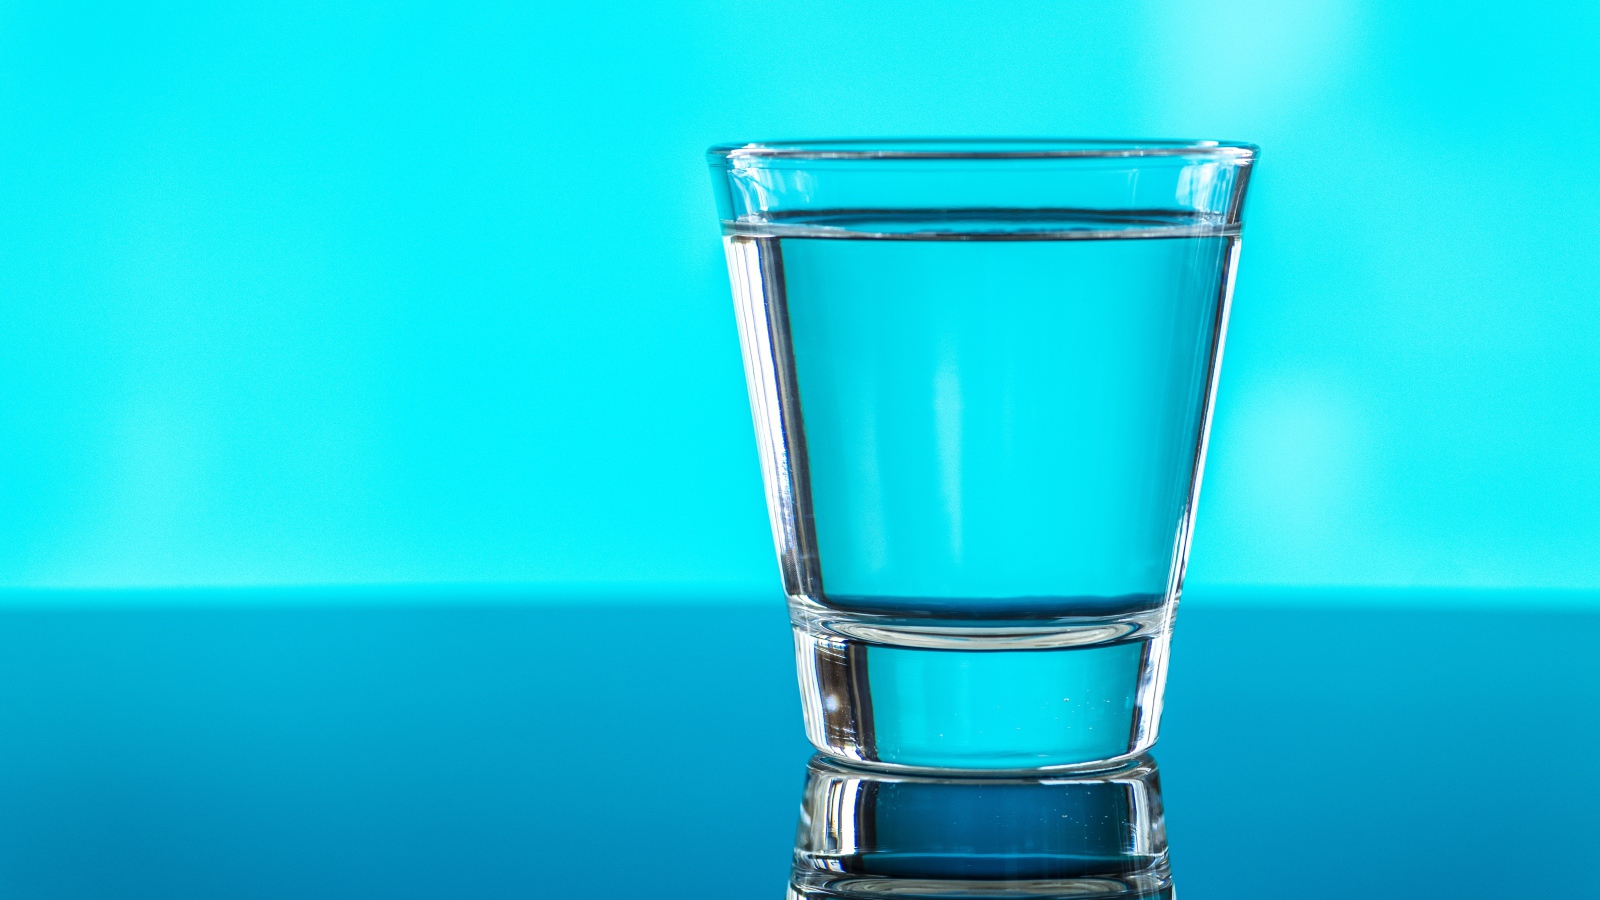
[(374, 293)]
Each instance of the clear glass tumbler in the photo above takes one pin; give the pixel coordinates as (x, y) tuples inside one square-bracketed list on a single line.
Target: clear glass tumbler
[(982, 374)]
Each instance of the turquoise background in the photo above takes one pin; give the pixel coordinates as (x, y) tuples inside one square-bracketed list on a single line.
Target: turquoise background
[(366, 294), (358, 295)]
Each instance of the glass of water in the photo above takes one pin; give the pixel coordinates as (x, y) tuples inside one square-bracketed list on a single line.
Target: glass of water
[(982, 374)]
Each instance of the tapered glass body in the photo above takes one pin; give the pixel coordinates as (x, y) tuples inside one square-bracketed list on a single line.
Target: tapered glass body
[(982, 374)]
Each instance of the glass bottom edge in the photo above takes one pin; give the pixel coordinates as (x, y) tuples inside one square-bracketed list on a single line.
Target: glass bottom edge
[(1152, 884), (1108, 766)]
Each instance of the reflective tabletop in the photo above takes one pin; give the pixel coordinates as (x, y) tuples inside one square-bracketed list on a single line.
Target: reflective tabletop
[(281, 747)]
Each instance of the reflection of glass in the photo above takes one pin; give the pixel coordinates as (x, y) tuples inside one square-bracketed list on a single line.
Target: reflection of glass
[(981, 374), (867, 835)]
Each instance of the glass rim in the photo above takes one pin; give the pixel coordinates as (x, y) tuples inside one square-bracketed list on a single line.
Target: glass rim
[(969, 148)]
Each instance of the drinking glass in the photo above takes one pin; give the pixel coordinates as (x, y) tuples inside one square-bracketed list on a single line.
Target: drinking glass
[(982, 375)]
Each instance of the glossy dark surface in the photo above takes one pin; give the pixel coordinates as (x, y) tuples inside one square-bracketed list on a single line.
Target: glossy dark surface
[(638, 751)]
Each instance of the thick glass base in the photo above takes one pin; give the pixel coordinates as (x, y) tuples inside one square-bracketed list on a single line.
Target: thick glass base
[(981, 696), (867, 835)]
